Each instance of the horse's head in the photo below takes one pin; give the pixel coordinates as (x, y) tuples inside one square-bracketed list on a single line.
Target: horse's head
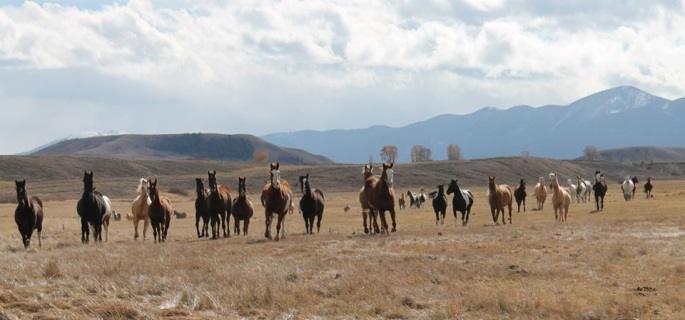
[(452, 187), (21, 190), (242, 190), (491, 183), (368, 171), (553, 178), (522, 182), (199, 187), (598, 175), (152, 188), (388, 174), (441, 189), (275, 175), (88, 181), (635, 181), (211, 178), (303, 180), (142, 186)]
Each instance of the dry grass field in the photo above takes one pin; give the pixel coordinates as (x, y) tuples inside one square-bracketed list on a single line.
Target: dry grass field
[(627, 262)]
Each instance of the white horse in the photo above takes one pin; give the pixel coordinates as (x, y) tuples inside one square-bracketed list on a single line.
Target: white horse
[(573, 190), (583, 189), (540, 193), (627, 186), (140, 206), (106, 218)]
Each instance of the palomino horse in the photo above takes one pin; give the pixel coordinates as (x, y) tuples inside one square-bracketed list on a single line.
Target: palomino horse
[(28, 215), (381, 196), (462, 202), (648, 188), (600, 189), (277, 198), (219, 205), (92, 208), (242, 208), (540, 193), (499, 197), (201, 210), (160, 212), (368, 214), (311, 205), (520, 195), (561, 199), (628, 188), (440, 204), (139, 208)]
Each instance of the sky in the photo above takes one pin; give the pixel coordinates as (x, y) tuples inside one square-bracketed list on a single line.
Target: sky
[(260, 67)]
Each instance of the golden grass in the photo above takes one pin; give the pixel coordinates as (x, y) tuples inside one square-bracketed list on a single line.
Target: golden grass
[(626, 262)]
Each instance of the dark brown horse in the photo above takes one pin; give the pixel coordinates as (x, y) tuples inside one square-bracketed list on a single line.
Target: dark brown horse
[(311, 205), (219, 205), (520, 195), (381, 196), (368, 214), (277, 198), (242, 208), (440, 204), (28, 215), (159, 212), (499, 197), (648, 188), (92, 208), (201, 210)]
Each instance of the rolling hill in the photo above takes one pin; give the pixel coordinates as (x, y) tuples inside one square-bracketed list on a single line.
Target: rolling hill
[(238, 147)]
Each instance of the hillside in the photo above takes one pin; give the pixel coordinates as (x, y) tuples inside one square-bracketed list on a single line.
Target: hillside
[(238, 147), (642, 155), (59, 177)]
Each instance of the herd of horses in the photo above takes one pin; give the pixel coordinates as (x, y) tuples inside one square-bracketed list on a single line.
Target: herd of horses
[(214, 205)]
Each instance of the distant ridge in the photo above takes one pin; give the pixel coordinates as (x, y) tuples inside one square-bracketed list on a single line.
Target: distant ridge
[(237, 147), (644, 155)]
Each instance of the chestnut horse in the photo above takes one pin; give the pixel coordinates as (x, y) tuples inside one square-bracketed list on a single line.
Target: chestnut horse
[(139, 208), (540, 193), (520, 195), (561, 199), (201, 210), (277, 198), (28, 215), (160, 212), (92, 208), (242, 208), (219, 205), (381, 196), (311, 205), (462, 202), (499, 197), (367, 213)]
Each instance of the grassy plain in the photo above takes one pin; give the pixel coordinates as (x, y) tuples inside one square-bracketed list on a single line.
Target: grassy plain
[(626, 262)]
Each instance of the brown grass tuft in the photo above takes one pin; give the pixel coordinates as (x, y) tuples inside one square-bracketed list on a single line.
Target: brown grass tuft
[(52, 270)]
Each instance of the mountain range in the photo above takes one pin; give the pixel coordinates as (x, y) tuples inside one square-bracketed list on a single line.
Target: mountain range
[(616, 118)]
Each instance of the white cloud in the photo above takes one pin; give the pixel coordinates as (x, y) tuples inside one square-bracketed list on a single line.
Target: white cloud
[(252, 66)]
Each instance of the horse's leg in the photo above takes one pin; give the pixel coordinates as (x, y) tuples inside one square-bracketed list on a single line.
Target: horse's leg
[(279, 225), (374, 216), (392, 217), (494, 215), (246, 223), (267, 222), (318, 222), (197, 225), (146, 223), (384, 223), (524, 204), (510, 210), (135, 226), (84, 230), (437, 217), (214, 223), (224, 223), (365, 215)]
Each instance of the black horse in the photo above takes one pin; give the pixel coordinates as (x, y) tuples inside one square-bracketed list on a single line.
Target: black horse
[(201, 209), (648, 188), (92, 207), (600, 189), (440, 204), (520, 195), (311, 205), (28, 215), (462, 201), (635, 182)]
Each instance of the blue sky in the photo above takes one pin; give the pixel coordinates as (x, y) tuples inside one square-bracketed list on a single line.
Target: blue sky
[(261, 67)]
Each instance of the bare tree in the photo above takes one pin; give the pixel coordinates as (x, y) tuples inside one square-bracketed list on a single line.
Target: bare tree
[(260, 156), (590, 152), (389, 153), (420, 153), (454, 152)]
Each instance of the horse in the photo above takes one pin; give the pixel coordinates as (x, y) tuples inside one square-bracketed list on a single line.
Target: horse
[(540, 193), (160, 212), (219, 205), (107, 217), (461, 201), (499, 197), (440, 204), (381, 196), (242, 210), (600, 189), (628, 188), (28, 215), (201, 209), (92, 207), (416, 199), (139, 208), (520, 195), (401, 202), (180, 214), (311, 205), (572, 190), (648, 188), (584, 188), (277, 198), (367, 213), (116, 215), (635, 182), (561, 199)]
